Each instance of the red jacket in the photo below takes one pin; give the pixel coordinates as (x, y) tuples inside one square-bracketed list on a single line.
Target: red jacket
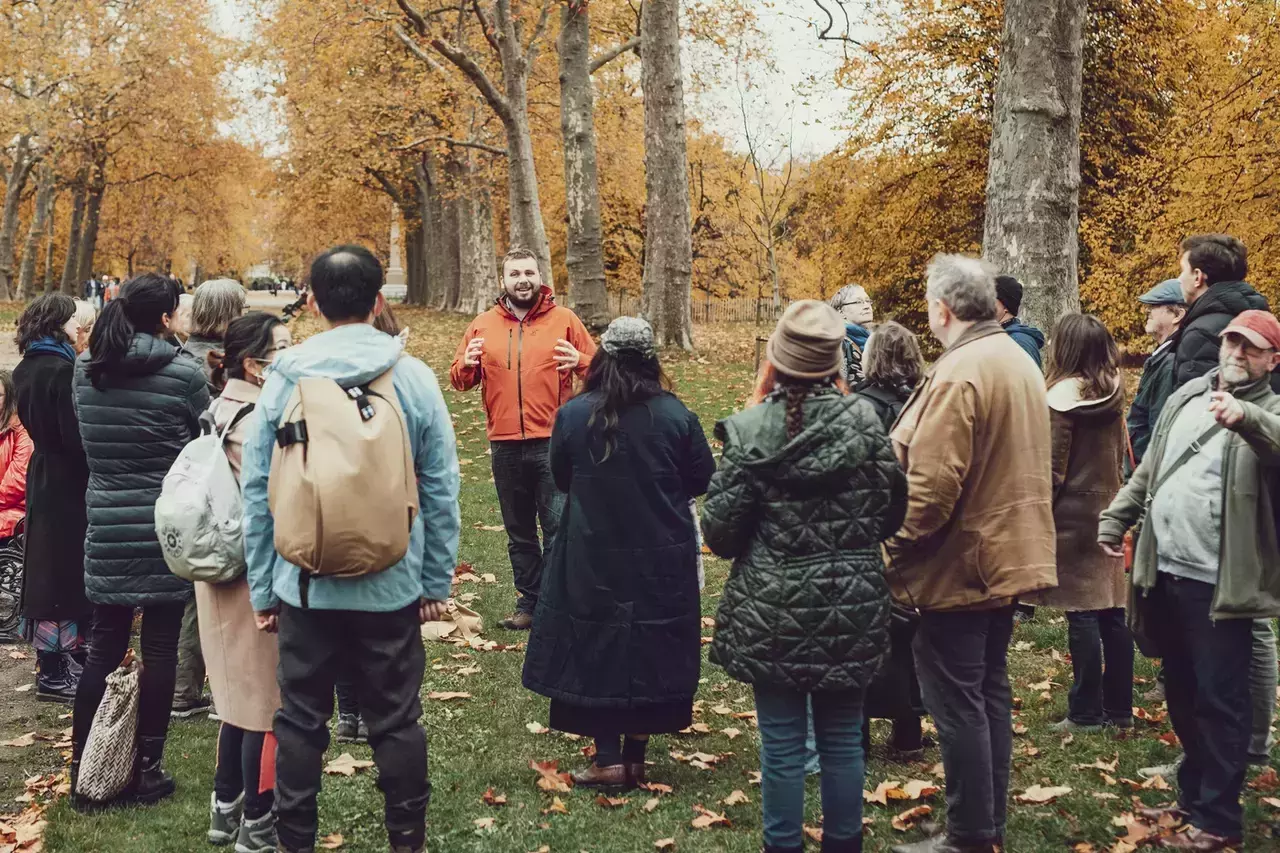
[(15, 453), (522, 387)]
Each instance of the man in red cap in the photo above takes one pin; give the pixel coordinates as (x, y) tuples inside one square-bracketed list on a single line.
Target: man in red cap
[(1206, 563)]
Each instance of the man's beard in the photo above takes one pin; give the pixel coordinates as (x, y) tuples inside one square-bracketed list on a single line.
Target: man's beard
[(1234, 375), (523, 302)]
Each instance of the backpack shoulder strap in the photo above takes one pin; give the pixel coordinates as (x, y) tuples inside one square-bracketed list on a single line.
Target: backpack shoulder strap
[(1195, 447), (245, 411)]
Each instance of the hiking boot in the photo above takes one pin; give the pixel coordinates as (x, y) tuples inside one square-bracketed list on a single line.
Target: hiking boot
[(1199, 841), (1156, 814), (152, 782), (636, 774), (518, 621), (258, 836), (1155, 694), (224, 820), (1167, 771), (348, 728), (213, 712), (842, 845), (184, 708), (943, 844), (1070, 725), (614, 777), (405, 848), (54, 682), (1119, 723)]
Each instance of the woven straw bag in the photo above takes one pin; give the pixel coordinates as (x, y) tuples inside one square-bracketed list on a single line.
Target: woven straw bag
[(106, 766)]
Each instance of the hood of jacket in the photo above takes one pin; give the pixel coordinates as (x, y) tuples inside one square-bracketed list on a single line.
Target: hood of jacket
[(349, 355), (1225, 297), (1067, 398), (147, 354), (1017, 327)]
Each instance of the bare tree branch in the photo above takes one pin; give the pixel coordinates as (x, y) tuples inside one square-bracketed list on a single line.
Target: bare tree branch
[(476, 75), (414, 16), (487, 26), (531, 50), (604, 58), (461, 143), (421, 54)]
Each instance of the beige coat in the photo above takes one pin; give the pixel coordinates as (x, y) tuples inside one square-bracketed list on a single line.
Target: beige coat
[(240, 659), (974, 441), (1088, 454)]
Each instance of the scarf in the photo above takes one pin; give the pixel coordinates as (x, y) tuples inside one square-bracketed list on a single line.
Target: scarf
[(49, 345), (857, 334)]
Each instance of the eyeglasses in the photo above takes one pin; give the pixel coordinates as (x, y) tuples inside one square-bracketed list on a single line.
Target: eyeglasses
[(856, 303)]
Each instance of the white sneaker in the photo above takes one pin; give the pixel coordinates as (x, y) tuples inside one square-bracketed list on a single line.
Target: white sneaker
[(1166, 771)]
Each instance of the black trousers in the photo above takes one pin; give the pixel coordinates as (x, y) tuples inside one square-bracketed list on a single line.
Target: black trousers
[(112, 629), (962, 663), (381, 655), (1206, 677), (1100, 695), (528, 497), (239, 771)]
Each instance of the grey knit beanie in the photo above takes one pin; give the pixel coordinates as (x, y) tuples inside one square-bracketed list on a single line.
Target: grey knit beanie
[(629, 334)]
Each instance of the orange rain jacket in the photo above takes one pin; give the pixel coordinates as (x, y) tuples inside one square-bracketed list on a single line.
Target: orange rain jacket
[(522, 388)]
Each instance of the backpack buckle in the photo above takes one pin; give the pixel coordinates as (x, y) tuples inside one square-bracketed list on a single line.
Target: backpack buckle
[(292, 433), (362, 402)]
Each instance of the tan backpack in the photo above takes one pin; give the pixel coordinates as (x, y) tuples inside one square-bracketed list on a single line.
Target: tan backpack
[(342, 489)]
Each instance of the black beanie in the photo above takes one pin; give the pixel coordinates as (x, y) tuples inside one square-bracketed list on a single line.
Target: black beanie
[(1009, 292)]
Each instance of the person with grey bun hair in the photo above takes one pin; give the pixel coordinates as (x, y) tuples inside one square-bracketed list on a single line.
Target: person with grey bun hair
[(215, 304), (979, 532), (616, 641)]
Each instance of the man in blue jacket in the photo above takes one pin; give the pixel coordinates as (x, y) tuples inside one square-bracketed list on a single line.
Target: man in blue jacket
[(365, 627), (1008, 301)]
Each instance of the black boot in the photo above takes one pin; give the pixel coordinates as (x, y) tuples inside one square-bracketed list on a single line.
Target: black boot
[(771, 849), (54, 682), (152, 782), (76, 661), (842, 845)]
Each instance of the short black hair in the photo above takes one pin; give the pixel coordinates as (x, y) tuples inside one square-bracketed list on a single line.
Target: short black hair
[(346, 281), (44, 318), (1220, 257)]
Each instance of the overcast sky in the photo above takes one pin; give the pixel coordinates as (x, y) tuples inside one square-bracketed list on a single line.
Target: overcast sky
[(813, 123)]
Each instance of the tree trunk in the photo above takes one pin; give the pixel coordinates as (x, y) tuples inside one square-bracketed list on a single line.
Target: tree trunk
[(668, 259), (17, 182), (527, 229), (424, 179), (40, 219), (451, 233), (1033, 179), (413, 261), (71, 266), (89, 238), (588, 294), (51, 244), (478, 265)]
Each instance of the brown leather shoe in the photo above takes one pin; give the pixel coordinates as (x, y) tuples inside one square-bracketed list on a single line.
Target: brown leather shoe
[(1162, 813), (1199, 841), (614, 776), (635, 774), (518, 621)]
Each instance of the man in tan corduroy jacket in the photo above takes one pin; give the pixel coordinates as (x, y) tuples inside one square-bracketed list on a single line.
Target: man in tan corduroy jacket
[(974, 440)]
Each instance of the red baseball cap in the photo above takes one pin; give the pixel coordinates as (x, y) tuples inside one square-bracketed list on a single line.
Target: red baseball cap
[(1259, 328)]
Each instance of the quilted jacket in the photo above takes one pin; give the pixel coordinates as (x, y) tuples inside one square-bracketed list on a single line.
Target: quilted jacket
[(806, 606), (133, 428)]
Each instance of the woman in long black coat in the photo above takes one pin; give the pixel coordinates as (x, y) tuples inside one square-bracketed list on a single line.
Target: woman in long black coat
[(616, 640), (53, 600)]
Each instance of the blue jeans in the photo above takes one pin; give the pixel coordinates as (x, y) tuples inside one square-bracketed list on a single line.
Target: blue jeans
[(837, 725)]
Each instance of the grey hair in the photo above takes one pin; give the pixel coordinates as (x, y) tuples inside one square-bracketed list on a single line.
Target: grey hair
[(217, 302), (85, 315), (966, 285), (844, 295)]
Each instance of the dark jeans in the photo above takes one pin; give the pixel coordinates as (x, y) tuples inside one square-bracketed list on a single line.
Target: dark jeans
[(961, 660), (239, 771), (837, 726), (381, 655), (112, 629), (1206, 677), (1100, 695), (189, 686), (348, 704), (527, 495)]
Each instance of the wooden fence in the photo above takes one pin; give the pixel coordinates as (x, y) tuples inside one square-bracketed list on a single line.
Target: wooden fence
[(744, 309)]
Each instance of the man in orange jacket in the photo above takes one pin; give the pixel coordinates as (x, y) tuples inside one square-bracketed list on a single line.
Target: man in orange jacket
[(524, 351)]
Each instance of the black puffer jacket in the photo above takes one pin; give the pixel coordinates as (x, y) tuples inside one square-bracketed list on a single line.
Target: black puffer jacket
[(806, 606), (1196, 343), (133, 428)]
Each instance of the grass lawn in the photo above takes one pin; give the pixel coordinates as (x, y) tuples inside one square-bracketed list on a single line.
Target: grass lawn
[(487, 741)]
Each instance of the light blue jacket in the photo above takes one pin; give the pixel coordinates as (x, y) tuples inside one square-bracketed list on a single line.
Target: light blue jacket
[(354, 355)]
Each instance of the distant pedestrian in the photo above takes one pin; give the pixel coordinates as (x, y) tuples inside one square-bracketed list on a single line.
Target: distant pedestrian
[(807, 489), (359, 620), (54, 608), (620, 661), (978, 533), (1086, 406), (1008, 303), (1204, 567), (526, 350), (139, 400), (853, 304)]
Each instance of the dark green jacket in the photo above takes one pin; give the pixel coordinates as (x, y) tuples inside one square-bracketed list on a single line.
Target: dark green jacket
[(806, 606), (1153, 390), (1249, 561)]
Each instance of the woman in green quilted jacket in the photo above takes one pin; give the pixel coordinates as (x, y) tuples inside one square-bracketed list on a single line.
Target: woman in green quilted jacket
[(807, 489)]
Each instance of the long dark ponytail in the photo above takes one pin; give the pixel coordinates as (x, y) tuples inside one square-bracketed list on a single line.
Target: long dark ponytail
[(622, 380), (140, 307)]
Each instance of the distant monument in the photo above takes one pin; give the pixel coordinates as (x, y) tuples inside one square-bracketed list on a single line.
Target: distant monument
[(397, 283)]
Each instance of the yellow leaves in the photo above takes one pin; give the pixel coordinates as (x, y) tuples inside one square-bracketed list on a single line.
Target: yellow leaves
[(346, 764), (735, 798), (891, 789), (550, 778), (707, 819), (908, 819), (333, 841), (1039, 795)]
